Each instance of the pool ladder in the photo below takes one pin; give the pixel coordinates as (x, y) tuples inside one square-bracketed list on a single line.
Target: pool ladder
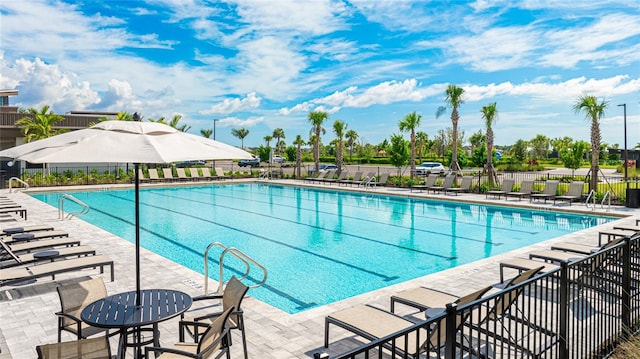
[(240, 256), (62, 198), (16, 179), (592, 197)]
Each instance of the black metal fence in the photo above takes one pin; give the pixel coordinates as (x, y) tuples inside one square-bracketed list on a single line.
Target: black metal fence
[(580, 309)]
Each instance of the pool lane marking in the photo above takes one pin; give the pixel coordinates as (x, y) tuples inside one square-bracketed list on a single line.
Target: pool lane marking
[(334, 214), (380, 196), (300, 304), (316, 227)]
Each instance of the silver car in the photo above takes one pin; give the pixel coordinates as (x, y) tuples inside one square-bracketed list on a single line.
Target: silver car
[(430, 167)]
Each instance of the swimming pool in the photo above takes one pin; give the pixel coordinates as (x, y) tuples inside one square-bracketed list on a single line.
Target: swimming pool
[(320, 245)]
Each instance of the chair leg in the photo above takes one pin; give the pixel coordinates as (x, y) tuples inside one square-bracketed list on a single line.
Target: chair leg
[(244, 337)]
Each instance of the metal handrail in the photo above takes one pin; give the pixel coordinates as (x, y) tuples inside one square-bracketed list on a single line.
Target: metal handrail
[(85, 207), (592, 195), (244, 258), (366, 181), (19, 181), (607, 196)]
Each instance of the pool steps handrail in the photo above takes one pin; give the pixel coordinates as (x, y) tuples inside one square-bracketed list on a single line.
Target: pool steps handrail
[(26, 185), (592, 197), (66, 196), (243, 257)]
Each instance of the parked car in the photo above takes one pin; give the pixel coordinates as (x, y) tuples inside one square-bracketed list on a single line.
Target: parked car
[(254, 162), (278, 159), (191, 163), (430, 167)]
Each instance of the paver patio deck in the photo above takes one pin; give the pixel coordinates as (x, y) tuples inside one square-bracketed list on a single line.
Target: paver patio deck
[(27, 312)]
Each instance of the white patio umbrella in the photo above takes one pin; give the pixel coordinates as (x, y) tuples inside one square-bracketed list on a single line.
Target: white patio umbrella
[(127, 142)]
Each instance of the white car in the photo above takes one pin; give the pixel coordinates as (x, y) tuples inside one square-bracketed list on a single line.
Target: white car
[(278, 159), (426, 168)]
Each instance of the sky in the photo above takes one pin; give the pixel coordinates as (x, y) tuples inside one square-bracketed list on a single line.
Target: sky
[(262, 65)]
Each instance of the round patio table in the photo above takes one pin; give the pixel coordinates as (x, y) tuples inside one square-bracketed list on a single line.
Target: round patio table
[(119, 311)]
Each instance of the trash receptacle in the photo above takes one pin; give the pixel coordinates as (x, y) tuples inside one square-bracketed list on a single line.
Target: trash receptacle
[(633, 198)]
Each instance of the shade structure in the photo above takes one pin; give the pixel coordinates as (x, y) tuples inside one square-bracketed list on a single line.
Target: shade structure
[(127, 142)]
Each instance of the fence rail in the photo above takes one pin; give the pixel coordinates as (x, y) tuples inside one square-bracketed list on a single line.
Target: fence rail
[(581, 309)]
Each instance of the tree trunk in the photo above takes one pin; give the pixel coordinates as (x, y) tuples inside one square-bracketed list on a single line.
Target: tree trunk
[(454, 151)]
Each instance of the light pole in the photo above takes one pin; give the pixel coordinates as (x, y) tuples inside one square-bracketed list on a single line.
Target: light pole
[(626, 178), (214, 127)]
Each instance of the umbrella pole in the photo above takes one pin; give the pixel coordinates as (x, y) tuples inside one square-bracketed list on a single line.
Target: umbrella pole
[(137, 220)]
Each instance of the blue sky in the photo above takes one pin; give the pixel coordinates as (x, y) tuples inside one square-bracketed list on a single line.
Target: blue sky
[(263, 65)]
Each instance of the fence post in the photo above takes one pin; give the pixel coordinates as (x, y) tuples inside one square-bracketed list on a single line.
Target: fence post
[(564, 311), (451, 331), (626, 289)]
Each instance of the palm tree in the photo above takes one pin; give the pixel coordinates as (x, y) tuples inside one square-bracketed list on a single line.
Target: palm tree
[(240, 133), (453, 99), (490, 114), (593, 112), (174, 123), (40, 124), (278, 134), (267, 140), (316, 118), (206, 133), (352, 141), (339, 128), (299, 142), (421, 139), (410, 123)]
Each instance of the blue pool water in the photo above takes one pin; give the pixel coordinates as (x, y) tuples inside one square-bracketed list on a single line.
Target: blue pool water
[(319, 246)]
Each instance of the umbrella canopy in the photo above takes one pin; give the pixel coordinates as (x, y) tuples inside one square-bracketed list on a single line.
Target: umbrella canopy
[(129, 142), (124, 141)]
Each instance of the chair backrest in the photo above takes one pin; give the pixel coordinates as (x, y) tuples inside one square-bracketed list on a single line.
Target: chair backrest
[(206, 172), (194, 172), (208, 344), (167, 173), (526, 187), (8, 253), (329, 174), (466, 182), (503, 302), (575, 189), (383, 179), (431, 180), (74, 297), (357, 176), (439, 336), (507, 184), (153, 173), (93, 348), (343, 175), (551, 187), (140, 174), (448, 181), (181, 173), (232, 297), (219, 171)]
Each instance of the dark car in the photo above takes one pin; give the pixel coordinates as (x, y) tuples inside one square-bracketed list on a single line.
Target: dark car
[(254, 162), (191, 163)]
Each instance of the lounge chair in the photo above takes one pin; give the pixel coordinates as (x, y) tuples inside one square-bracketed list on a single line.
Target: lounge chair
[(573, 194), (232, 296), (611, 234), (327, 175), (220, 174), (25, 247), (182, 176), (85, 348), (382, 180), (34, 236), (373, 323), (341, 177), (312, 177), (206, 174), (447, 183), (33, 228), (525, 190), (167, 174), (465, 186), (215, 340), (9, 258), (17, 275), (73, 299), (429, 182), (193, 172), (357, 177), (549, 192), (17, 210), (368, 179), (153, 175), (141, 176), (505, 187)]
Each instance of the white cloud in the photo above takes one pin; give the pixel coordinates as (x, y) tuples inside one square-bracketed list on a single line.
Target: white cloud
[(234, 105), (238, 122)]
